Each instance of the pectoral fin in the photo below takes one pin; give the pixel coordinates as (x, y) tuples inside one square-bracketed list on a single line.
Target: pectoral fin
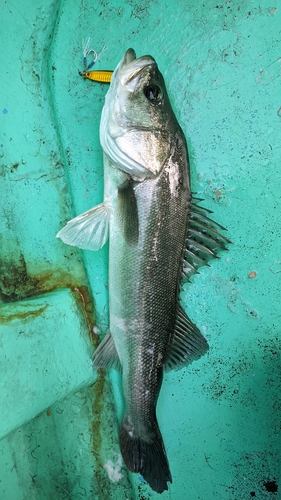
[(106, 356), (88, 231), (187, 344), (128, 212)]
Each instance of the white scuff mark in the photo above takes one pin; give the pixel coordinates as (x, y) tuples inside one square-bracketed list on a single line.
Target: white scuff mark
[(114, 470), (174, 175), (154, 249)]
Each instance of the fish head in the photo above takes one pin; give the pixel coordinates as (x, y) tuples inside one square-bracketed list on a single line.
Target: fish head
[(137, 119)]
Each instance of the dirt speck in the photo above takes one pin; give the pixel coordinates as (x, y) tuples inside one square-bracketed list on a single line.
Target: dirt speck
[(271, 486), (252, 274)]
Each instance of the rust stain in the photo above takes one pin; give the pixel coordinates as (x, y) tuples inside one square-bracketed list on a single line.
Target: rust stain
[(97, 409), (17, 283), (22, 316), (85, 301)]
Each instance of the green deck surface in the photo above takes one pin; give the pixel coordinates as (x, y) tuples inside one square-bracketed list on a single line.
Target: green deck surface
[(220, 417)]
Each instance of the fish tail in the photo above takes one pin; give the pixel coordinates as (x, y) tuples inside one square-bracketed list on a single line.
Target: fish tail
[(146, 456)]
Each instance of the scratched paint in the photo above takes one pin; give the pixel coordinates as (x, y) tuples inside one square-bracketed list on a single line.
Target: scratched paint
[(221, 63)]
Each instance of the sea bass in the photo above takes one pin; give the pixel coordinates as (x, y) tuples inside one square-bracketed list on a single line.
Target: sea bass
[(158, 235)]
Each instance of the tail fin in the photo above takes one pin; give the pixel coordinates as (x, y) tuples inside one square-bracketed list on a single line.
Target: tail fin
[(147, 458)]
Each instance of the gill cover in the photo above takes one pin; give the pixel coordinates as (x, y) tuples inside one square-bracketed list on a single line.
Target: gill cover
[(133, 122)]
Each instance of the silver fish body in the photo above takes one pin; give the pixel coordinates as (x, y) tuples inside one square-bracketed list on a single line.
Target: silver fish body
[(157, 236)]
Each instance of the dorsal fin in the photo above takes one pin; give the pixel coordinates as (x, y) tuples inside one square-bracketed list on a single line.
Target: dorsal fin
[(204, 241)]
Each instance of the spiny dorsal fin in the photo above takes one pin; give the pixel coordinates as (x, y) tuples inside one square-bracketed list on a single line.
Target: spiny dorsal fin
[(88, 231), (204, 242), (187, 344), (106, 356)]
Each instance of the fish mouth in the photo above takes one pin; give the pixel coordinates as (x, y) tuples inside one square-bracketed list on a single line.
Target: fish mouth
[(130, 68), (129, 56)]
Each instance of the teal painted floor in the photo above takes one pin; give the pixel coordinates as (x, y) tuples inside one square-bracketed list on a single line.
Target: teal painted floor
[(221, 416)]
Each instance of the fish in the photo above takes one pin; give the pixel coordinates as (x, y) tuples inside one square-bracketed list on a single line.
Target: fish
[(159, 236)]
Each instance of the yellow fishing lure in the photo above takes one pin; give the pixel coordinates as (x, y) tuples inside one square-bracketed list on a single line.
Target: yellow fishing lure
[(102, 76)]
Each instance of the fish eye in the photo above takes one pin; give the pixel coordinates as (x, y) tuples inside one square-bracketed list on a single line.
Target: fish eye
[(153, 93)]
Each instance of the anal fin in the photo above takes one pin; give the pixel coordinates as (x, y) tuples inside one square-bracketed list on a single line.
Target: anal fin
[(106, 356), (187, 344), (89, 230)]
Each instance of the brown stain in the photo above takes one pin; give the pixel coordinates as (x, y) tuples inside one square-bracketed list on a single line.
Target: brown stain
[(16, 283), (98, 411), (22, 316), (85, 302), (100, 483)]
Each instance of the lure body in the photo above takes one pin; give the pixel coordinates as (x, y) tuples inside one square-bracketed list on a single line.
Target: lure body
[(101, 76)]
